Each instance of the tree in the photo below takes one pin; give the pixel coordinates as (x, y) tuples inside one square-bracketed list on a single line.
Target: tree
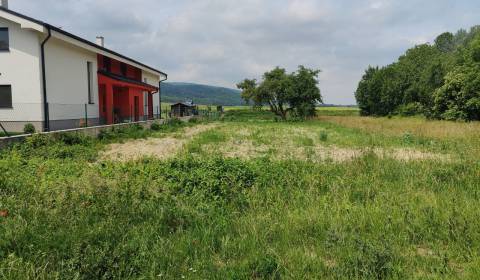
[(276, 90), (306, 94), (248, 88), (459, 97), (284, 93), (439, 81), (445, 42)]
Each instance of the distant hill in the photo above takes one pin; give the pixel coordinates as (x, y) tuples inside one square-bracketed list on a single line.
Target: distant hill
[(200, 94)]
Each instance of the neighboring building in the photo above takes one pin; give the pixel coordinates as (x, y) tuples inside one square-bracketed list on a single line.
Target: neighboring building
[(47, 73), (184, 109)]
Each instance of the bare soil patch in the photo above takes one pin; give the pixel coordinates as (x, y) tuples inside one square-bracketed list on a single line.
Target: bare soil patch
[(247, 149), (162, 148)]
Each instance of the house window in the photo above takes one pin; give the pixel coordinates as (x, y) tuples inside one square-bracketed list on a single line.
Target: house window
[(107, 64), (5, 96), (90, 82), (4, 41), (123, 68)]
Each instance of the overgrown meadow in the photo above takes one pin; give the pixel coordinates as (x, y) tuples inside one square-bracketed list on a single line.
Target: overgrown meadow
[(339, 197)]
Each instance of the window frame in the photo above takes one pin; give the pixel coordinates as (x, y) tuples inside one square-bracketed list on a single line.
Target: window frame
[(11, 97), (91, 98), (7, 49)]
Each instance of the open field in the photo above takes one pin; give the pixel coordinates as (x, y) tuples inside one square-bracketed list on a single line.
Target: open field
[(246, 197)]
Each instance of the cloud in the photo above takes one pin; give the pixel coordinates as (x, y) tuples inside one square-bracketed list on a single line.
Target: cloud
[(223, 41)]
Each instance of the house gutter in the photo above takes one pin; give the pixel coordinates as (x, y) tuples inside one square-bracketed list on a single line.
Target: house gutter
[(160, 95), (46, 116)]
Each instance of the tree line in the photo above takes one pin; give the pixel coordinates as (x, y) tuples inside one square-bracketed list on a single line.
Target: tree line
[(440, 80), (287, 94)]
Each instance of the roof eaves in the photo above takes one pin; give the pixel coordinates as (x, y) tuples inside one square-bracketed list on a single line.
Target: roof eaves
[(124, 79)]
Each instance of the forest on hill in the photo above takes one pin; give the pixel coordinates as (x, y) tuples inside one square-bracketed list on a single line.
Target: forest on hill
[(200, 94), (439, 81)]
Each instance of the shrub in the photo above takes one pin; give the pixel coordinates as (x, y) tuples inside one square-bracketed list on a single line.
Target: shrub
[(106, 134), (323, 136), (38, 140), (410, 109), (137, 127), (174, 122), (29, 128), (193, 120), (73, 138), (217, 179), (156, 126), (134, 131)]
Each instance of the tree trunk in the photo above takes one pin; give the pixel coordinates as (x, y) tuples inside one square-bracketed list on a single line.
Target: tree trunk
[(283, 113)]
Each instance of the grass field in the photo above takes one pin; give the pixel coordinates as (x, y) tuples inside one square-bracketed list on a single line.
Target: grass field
[(246, 197)]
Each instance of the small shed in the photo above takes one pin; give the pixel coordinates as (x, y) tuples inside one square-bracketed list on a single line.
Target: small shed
[(184, 109)]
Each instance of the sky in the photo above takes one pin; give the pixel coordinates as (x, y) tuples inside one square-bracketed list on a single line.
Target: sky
[(221, 42)]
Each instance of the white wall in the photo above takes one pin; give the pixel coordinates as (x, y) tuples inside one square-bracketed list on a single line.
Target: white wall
[(66, 73), (67, 81), (20, 68), (153, 80)]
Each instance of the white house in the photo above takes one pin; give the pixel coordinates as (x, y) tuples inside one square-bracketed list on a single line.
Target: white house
[(56, 80)]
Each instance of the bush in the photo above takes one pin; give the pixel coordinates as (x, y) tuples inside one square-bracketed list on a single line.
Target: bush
[(323, 136), (29, 128), (106, 134), (174, 122), (217, 179), (410, 109), (193, 120), (156, 126), (38, 140), (135, 131), (71, 139), (459, 98)]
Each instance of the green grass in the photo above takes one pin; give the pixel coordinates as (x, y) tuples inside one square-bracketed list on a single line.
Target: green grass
[(338, 111), (209, 215)]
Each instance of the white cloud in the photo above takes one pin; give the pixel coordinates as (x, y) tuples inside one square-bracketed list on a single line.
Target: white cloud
[(223, 41)]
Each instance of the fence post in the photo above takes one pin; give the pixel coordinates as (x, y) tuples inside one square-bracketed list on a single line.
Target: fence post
[(86, 115)]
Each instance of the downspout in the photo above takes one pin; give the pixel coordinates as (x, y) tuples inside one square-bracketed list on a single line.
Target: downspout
[(46, 116), (160, 95)]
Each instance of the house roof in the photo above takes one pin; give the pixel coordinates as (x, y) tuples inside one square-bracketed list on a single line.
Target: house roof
[(75, 37), (187, 104)]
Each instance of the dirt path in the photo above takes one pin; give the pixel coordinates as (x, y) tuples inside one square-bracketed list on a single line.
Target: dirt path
[(162, 148)]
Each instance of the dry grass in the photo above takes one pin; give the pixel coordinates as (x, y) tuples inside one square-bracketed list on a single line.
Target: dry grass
[(317, 153), (284, 142), (416, 126), (162, 148)]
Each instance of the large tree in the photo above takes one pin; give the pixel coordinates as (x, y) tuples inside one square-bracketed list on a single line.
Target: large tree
[(248, 88), (459, 97), (439, 81), (296, 93), (305, 92)]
